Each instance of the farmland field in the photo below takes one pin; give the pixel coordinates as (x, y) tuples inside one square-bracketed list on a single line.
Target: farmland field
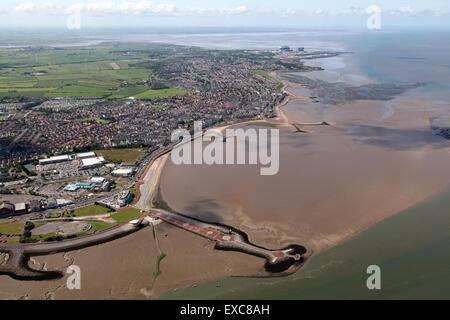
[(114, 70)]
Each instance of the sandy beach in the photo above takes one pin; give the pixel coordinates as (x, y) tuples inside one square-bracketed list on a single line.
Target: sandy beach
[(377, 159)]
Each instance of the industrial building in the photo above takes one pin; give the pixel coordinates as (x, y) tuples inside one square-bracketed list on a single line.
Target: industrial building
[(98, 180), (92, 162), (20, 208), (86, 155), (6, 209), (122, 173), (79, 185), (55, 159), (35, 205)]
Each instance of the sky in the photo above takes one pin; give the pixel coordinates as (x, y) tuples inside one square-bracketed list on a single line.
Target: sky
[(74, 14)]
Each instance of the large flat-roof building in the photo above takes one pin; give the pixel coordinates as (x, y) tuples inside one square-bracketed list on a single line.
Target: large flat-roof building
[(86, 155), (123, 172), (92, 162), (98, 180), (79, 185), (55, 159), (20, 208)]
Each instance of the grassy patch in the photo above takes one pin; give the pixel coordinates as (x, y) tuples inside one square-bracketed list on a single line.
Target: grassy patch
[(96, 226), (91, 210), (99, 225), (264, 74), (152, 94), (12, 229), (263, 124), (121, 155), (100, 121), (127, 215)]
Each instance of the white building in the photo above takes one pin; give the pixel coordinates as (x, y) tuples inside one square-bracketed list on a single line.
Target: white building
[(98, 180), (86, 155), (55, 159), (124, 198), (122, 173), (63, 202), (92, 162)]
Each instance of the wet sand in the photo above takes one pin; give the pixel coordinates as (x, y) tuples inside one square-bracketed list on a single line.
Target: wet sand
[(377, 159), (123, 268), (338, 69)]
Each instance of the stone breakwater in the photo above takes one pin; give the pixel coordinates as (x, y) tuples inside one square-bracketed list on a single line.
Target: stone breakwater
[(228, 238)]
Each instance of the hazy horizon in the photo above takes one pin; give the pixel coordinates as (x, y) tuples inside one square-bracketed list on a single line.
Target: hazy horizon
[(233, 13)]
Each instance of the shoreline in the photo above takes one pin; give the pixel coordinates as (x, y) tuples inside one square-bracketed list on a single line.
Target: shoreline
[(334, 239), (150, 180)]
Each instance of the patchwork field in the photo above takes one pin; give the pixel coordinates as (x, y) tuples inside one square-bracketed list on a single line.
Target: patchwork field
[(111, 70)]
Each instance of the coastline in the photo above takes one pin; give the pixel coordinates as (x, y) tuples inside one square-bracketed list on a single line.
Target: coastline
[(418, 235), (369, 211), (264, 231)]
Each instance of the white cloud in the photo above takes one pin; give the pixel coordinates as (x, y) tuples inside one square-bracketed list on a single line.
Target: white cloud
[(135, 8), (27, 7), (145, 8), (319, 11), (290, 11), (404, 11), (235, 10)]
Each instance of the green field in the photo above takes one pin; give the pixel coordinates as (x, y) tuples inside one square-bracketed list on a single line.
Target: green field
[(91, 210), (162, 93), (121, 155), (265, 74), (127, 215), (11, 229), (114, 70), (263, 124), (100, 121), (97, 226)]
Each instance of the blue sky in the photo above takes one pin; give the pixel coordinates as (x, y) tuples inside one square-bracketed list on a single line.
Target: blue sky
[(229, 13)]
